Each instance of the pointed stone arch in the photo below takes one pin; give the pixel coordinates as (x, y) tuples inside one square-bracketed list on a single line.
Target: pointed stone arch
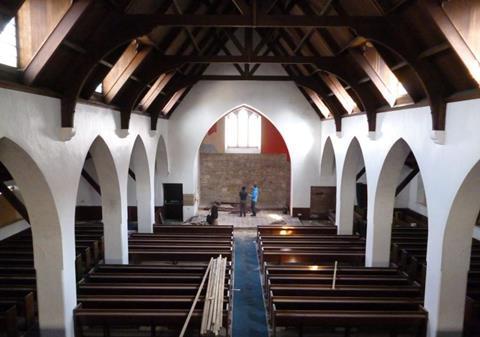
[(143, 186), (381, 202), (328, 159), (353, 163), (114, 215), (161, 170)]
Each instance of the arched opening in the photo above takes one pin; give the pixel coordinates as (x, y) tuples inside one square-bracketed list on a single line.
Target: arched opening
[(454, 279), (323, 196), (397, 208), (140, 194), (40, 252), (351, 202), (241, 149), (99, 206), (160, 174)]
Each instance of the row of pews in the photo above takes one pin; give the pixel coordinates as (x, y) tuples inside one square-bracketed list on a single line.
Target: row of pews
[(409, 251), (153, 295), (18, 281), (181, 243), (306, 288), (308, 245)]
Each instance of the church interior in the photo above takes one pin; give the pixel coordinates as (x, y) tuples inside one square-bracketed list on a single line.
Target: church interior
[(239, 168)]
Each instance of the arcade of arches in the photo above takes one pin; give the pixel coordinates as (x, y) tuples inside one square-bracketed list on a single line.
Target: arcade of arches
[(122, 122)]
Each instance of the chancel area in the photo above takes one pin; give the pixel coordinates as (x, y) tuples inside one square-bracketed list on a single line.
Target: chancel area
[(239, 168)]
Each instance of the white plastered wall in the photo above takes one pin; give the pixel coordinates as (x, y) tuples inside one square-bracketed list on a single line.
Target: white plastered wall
[(281, 102), (446, 278), (33, 123)]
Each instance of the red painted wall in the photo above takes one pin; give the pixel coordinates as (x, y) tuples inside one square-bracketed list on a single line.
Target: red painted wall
[(272, 140)]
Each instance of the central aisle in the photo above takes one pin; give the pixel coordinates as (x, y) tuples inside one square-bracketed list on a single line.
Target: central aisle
[(249, 316)]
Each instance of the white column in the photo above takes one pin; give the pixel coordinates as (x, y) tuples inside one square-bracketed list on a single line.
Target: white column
[(448, 259), (114, 204), (53, 243), (145, 206), (381, 202), (115, 231), (379, 226), (346, 190), (446, 285), (56, 284), (144, 190)]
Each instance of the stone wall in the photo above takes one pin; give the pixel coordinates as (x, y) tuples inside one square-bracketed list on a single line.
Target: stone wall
[(222, 176)]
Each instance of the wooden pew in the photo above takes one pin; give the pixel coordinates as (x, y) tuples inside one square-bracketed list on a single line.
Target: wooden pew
[(118, 318), (193, 229), (24, 299), (8, 319)]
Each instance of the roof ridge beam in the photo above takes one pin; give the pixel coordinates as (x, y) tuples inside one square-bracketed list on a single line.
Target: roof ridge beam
[(260, 20)]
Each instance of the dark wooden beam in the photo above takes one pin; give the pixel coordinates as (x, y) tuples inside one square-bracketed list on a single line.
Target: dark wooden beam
[(367, 104), (132, 174), (14, 201), (246, 77), (281, 59), (55, 39), (91, 181), (407, 181), (242, 6), (261, 20), (361, 173)]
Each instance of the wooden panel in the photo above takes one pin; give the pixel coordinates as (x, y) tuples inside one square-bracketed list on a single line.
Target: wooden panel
[(319, 103), (339, 91), (172, 101), (465, 16), (155, 90), (380, 74), (460, 25), (322, 199), (8, 214), (123, 69), (36, 19)]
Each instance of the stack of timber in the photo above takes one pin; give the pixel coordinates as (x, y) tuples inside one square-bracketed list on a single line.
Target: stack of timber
[(212, 310)]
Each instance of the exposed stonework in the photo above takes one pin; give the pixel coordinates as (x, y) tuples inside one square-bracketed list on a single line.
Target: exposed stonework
[(222, 176)]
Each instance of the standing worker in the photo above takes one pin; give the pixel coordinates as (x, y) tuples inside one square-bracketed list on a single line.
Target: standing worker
[(254, 198), (243, 201)]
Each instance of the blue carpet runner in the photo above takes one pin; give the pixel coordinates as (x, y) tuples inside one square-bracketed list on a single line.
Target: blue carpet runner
[(249, 316)]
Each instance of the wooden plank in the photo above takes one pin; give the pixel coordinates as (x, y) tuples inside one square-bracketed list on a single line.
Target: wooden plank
[(55, 39), (123, 69)]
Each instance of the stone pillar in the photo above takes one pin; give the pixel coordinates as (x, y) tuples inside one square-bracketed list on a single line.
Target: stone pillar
[(53, 243), (114, 204), (381, 202), (56, 285), (144, 189), (346, 189), (446, 284)]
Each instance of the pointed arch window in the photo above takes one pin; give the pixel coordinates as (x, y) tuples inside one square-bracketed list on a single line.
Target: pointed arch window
[(243, 131)]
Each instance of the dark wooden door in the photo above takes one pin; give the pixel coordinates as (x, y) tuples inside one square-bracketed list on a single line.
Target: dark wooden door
[(173, 201)]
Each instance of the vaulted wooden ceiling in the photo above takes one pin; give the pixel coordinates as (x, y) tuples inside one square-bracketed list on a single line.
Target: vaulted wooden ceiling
[(149, 53)]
